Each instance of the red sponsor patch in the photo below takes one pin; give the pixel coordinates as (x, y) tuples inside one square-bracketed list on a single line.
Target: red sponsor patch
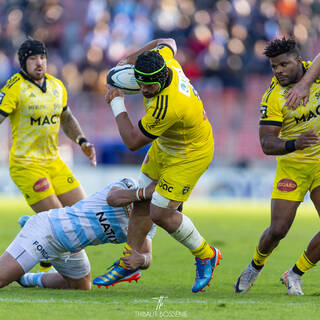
[(41, 185), (286, 185)]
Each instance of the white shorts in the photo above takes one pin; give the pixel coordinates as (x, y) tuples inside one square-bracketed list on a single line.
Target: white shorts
[(36, 242)]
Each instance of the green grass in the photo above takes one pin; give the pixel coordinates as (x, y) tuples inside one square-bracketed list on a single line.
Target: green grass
[(234, 227)]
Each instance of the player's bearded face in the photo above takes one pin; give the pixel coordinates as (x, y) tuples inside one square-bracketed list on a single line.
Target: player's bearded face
[(36, 66), (286, 68), (149, 90)]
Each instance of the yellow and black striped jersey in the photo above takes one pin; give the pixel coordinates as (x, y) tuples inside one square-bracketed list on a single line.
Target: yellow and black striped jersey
[(175, 117), (34, 114), (293, 122)]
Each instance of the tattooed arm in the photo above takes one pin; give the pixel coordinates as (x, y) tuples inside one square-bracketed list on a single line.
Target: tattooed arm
[(72, 129)]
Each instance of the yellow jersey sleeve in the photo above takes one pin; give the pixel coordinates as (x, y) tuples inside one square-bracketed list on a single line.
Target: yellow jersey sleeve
[(158, 118), (166, 52), (270, 108), (10, 96)]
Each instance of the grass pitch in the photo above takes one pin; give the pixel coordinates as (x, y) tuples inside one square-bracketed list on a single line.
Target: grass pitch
[(232, 226)]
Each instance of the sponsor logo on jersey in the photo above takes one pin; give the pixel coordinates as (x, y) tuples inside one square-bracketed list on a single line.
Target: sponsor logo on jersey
[(165, 185), (2, 94), (185, 190), (286, 185), (41, 185), (41, 250), (263, 111), (104, 222), (308, 116), (44, 120), (70, 179)]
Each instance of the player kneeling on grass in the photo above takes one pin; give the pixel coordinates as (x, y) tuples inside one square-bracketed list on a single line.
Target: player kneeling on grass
[(60, 236)]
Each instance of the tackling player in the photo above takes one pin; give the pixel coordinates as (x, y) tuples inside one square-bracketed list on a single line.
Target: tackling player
[(60, 235), (290, 131), (182, 149), (36, 104)]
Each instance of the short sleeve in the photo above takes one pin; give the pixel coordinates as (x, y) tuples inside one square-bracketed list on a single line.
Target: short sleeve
[(9, 100), (165, 50), (270, 107)]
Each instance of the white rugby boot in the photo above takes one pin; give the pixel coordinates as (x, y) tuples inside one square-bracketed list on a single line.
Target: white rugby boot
[(293, 283), (247, 279)]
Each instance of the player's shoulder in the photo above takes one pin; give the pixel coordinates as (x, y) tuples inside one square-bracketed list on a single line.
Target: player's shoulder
[(165, 51), (54, 79), (13, 82), (272, 92)]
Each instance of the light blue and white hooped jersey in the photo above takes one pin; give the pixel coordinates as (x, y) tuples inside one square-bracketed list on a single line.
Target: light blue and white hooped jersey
[(92, 221)]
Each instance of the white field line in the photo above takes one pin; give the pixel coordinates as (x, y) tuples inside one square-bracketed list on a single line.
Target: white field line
[(167, 301)]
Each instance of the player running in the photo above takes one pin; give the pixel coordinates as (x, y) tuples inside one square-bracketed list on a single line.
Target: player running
[(60, 235), (182, 147), (298, 152)]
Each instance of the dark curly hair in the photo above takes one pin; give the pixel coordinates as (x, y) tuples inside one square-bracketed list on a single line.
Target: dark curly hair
[(150, 67), (29, 48), (280, 46)]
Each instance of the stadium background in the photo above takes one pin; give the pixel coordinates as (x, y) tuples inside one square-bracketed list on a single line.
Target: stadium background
[(220, 45)]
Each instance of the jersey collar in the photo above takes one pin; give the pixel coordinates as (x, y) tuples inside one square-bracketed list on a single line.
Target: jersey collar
[(43, 88)]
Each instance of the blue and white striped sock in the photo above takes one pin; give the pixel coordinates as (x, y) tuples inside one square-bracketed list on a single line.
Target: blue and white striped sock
[(32, 280)]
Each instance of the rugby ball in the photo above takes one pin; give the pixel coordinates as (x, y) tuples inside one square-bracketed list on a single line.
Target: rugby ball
[(122, 77)]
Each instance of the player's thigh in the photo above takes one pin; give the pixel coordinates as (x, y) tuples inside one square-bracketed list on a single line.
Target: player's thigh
[(64, 181), (75, 266), (315, 187), (46, 204), (292, 180), (69, 198), (33, 181), (178, 179), (152, 164)]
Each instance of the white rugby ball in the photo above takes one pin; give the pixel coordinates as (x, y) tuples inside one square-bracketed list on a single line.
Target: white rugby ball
[(122, 77)]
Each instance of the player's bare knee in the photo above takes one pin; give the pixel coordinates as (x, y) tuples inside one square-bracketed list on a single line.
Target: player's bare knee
[(278, 232)]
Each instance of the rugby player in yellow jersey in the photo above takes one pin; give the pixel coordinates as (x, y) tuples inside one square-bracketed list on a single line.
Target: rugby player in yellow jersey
[(182, 149), (289, 130), (36, 104)]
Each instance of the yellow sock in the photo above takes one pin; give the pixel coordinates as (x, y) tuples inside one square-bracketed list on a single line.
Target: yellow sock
[(260, 258), (304, 264), (204, 251), (126, 248)]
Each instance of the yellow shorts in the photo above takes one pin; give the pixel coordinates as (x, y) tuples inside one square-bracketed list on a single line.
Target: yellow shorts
[(39, 181), (294, 179), (176, 177)]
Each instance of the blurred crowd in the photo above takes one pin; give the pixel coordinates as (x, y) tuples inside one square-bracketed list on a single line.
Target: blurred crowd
[(216, 39)]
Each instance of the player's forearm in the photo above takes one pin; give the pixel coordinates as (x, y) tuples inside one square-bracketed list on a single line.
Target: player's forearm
[(126, 131), (131, 59), (313, 72), (274, 146), (71, 126), (121, 197)]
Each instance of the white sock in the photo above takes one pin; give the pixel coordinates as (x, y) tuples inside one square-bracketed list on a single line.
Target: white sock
[(32, 279), (187, 234)]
